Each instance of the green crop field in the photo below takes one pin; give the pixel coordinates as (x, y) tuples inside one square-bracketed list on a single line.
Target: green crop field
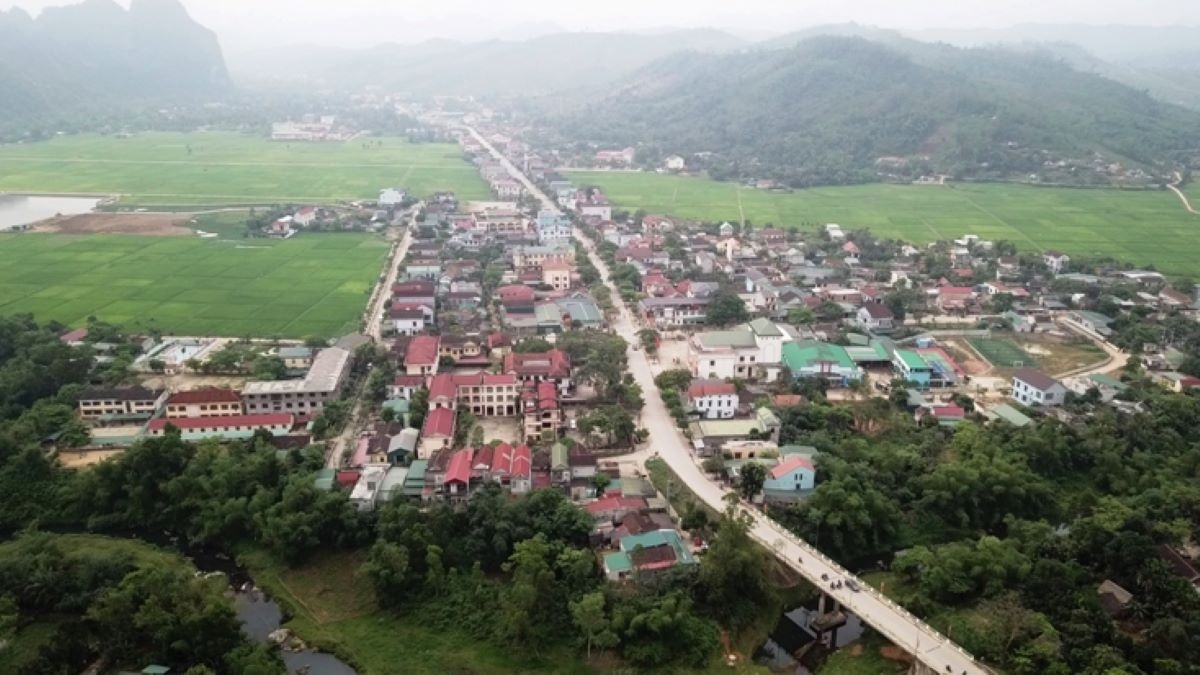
[(314, 284), (1003, 353), (1142, 228), (203, 168)]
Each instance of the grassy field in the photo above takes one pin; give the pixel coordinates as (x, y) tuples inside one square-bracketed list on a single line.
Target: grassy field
[(1141, 227), (176, 169), (1003, 353), (314, 284)]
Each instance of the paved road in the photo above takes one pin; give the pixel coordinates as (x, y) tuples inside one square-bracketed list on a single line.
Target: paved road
[(907, 631), (374, 328)]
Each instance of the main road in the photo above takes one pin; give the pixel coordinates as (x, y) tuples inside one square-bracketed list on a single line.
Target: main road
[(930, 648), (373, 320)]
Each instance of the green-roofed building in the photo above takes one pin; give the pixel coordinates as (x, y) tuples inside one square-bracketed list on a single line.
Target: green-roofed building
[(324, 479), (1009, 414), (414, 481), (912, 368), (872, 353), (809, 358)]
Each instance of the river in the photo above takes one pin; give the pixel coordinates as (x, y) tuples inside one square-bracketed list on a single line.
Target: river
[(19, 210)]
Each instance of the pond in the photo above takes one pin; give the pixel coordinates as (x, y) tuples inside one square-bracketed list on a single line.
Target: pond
[(261, 616), (19, 210)]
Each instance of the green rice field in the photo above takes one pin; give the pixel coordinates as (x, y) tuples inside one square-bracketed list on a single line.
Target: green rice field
[(314, 284), (1003, 353), (1142, 228), (214, 168)]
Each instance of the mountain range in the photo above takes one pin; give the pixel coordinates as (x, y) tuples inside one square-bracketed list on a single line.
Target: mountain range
[(824, 109), (96, 54)]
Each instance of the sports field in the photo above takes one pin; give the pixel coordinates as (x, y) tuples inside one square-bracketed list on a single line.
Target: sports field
[(1140, 227), (1003, 353), (315, 284), (202, 168)]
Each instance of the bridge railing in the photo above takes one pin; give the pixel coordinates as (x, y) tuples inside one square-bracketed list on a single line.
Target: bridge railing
[(866, 588)]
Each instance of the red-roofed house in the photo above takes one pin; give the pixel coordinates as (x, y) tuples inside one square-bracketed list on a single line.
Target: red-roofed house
[(502, 464), (521, 476), (206, 402), (612, 508), (945, 415), (457, 480), (437, 432), (74, 338), (794, 473), (403, 386), (422, 355), (713, 399), (516, 298)]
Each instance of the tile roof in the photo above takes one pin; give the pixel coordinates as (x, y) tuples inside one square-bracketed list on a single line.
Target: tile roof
[(438, 422), (877, 310), (135, 393), (502, 458), (227, 422), (522, 461), (205, 395), (459, 469), (422, 351), (790, 464), (614, 504), (554, 363), (442, 386), (704, 388)]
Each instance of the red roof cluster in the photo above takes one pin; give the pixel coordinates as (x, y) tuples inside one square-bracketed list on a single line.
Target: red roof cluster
[(422, 351), (227, 422), (459, 470), (205, 395)]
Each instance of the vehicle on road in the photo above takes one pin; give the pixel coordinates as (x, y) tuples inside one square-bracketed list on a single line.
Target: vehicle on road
[(852, 585)]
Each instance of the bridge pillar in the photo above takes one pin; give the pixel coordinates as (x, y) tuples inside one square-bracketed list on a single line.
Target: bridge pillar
[(821, 605)]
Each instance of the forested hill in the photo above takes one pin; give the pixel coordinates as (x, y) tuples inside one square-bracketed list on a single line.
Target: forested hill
[(94, 55), (827, 109)]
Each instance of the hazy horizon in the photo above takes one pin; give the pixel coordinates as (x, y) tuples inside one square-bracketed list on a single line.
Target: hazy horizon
[(244, 26)]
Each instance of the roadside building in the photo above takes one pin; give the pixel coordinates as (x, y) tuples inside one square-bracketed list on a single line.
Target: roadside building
[(712, 399), (1032, 387), (115, 403), (822, 360)]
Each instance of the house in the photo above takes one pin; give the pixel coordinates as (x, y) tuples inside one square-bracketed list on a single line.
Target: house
[(550, 366), (74, 338), (823, 360), (674, 163), (793, 474), (408, 321), (1113, 598), (875, 317), (103, 403), (614, 508), (1179, 565), (206, 402), (366, 490), (580, 311), (944, 415), (1093, 322), (1107, 386), (541, 411), (615, 157), (296, 358), (647, 552), (663, 313), (437, 432), (1032, 387), (228, 428), (422, 355), (322, 384), (305, 216), (557, 275), (712, 399), (457, 480), (954, 298), (1056, 261)]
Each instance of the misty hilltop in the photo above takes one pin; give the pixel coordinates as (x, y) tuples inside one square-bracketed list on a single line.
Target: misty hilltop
[(97, 54), (542, 64), (831, 109)]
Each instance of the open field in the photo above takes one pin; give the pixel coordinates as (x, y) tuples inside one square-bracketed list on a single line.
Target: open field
[(1140, 227), (314, 284), (203, 168)]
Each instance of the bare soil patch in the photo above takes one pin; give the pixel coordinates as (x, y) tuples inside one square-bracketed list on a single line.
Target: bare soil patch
[(145, 224)]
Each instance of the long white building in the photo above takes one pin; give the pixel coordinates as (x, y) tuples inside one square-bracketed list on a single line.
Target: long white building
[(322, 384)]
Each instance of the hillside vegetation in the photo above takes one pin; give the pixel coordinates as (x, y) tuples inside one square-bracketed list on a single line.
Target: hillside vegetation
[(828, 109), (95, 56)]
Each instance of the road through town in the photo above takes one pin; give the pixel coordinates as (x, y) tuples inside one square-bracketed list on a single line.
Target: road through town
[(931, 649)]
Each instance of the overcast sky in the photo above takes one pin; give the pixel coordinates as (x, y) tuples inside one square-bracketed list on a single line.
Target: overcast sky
[(242, 24)]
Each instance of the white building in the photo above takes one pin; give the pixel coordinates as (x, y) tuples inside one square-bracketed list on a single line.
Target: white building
[(750, 351), (389, 197), (675, 163), (714, 400), (322, 384), (366, 490), (1034, 388), (1056, 261), (875, 317)]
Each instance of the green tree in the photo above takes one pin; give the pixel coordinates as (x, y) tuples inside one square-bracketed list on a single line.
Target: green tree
[(751, 479), (725, 309), (589, 617), (733, 579)]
